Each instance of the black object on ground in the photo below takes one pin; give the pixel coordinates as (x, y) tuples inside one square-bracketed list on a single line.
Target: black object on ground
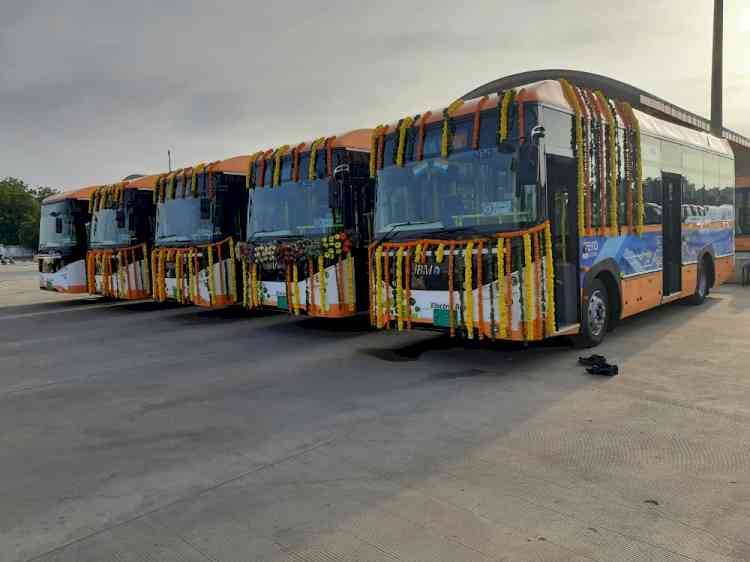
[(603, 369), (593, 360)]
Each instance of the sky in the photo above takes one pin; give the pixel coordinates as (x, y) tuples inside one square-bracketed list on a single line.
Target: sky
[(93, 91)]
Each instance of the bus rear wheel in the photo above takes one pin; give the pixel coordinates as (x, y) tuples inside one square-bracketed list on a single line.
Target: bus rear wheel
[(702, 283), (594, 315)]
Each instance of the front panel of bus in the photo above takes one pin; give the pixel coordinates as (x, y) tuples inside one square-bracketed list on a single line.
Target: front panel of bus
[(463, 238), (196, 231), (122, 233), (62, 246), (307, 238)]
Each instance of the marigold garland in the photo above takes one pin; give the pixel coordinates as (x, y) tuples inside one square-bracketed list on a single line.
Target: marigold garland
[(211, 281), (323, 285), (312, 173), (379, 286), (374, 150), (232, 272), (469, 290), (447, 118), (350, 282), (451, 296), (549, 269), (278, 159), (612, 167), (406, 123), (638, 168), (538, 287), (528, 287), (579, 151), (501, 286), (480, 285), (504, 127), (440, 253), (399, 289)]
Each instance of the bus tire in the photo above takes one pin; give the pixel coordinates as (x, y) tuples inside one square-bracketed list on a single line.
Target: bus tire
[(703, 282), (595, 315)]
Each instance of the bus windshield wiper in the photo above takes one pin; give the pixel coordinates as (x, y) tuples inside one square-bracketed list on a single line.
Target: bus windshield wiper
[(397, 225)]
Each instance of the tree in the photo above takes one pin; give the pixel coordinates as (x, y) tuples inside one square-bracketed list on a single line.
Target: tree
[(20, 207)]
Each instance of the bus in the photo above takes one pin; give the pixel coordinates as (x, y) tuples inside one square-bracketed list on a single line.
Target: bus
[(545, 209), (63, 233), (121, 235), (200, 215), (310, 219)]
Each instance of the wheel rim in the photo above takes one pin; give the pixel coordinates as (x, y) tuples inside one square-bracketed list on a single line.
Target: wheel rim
[(597, 313)]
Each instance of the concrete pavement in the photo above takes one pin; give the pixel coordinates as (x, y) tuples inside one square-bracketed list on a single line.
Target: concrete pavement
[(151, 432)]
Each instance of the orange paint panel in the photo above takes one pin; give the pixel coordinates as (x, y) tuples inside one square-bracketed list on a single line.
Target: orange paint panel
[(641, 293), (724, 269), (689, 278), (742, 244)]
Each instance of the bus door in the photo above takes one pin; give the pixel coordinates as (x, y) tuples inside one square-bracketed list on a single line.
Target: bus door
[(563, 209), (672, 234)]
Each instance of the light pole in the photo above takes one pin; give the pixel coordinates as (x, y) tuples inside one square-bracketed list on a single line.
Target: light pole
[(717, 120)]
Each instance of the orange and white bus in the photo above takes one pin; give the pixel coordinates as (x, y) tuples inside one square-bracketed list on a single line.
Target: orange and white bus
[(120, 239), (544, 207), (200, 216), (310, 214), (63, 233)]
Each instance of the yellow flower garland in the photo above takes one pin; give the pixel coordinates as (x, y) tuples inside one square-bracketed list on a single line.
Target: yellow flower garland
[(350, 282), (501, 287), (445, 142), (146, 273), (611, 139), (638, 168), (322, 285), (399, 289), (311, 171), (211, 288), (468, 289), (179, 280), (194, 179), (278, 159), (124, 278), (549, 270), (374, 150), (406, 123), (232, 272), (528, 304), (505, 114), (379, 286), (580, 189), (440, 253)]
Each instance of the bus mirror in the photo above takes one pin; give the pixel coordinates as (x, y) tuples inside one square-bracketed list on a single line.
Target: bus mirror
[(58, 225), (120, 218), (537, 133)]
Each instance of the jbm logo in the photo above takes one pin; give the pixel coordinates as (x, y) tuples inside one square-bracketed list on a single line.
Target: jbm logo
[(426, 270)]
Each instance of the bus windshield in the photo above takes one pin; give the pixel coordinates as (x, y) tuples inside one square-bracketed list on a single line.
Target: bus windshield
[(186, 220), (57, 228), (472, 189), (292, 209), (106, 231)]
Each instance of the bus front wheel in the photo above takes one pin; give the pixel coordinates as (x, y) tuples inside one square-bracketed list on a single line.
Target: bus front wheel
[(594, 315), (702, 284)]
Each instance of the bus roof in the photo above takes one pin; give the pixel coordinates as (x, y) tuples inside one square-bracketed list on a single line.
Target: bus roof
[(550, 93), (146, 183), (80, 194)]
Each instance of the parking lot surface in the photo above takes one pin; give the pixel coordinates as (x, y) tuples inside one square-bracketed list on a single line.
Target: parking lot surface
[(149, 432)]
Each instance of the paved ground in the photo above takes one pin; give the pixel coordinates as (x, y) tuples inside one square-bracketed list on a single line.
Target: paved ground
[(144, 432)]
